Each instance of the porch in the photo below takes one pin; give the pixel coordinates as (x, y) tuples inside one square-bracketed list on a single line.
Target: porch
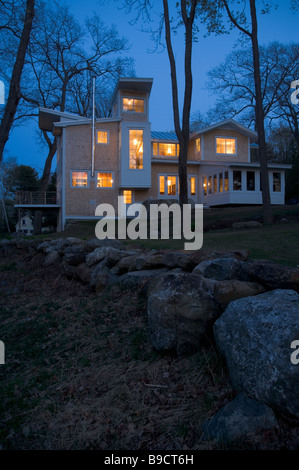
[(37, 199)]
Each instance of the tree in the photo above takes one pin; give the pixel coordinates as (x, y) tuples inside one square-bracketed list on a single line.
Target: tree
[(61, 58), (8, 13), (185, 14)]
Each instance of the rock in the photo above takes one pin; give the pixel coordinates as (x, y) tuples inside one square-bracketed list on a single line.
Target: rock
[(104, 279), (95, 272), (70, 241), (181, 310), (74, 260), (126, 264), (51, 258), (248, 224), (91, 245), (173, 259), (255, 334), (227, 291), (222, 269), (204, 254), (69, 271), (135, 279), (151, 261), (239, 419), (113, 254), (83, 273), (73, 250), (274, 276)]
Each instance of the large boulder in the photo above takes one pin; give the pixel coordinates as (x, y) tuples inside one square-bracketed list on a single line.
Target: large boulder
[(126, 264), (204, 254), (91, 245), (255, 334), (136, 279), (240, 419), (181, 310), (113, 254), (174, 259), (227, 291), (274, 276), (83, 273), (75, 259), (222, 269)]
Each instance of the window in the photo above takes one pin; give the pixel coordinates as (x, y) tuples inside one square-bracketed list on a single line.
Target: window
[(192, 186), (79, 179), (104, 180), (102, 137), (276, 182), (226, 183), (166, 149), (136, 149), (215, 184), (133, 105), (250, 181), (127, 194), (23, 222), (171, 185), (237, 181), (210, 184), (162, 184), (197, 144), (205, 185), (221, 182), (226, 146)]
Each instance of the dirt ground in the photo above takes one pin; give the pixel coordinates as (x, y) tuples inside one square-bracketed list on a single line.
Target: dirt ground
[(81, 373)]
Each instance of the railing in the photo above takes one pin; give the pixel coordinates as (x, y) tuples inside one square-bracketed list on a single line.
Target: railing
[(38, 198)]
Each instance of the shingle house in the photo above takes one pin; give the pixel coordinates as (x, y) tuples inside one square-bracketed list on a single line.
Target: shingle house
[(131, 160)]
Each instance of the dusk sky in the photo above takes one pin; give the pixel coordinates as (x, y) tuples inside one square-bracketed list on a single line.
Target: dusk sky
[(280, 25)]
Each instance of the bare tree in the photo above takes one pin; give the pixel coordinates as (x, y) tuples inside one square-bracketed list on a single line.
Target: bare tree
[(7, 26)]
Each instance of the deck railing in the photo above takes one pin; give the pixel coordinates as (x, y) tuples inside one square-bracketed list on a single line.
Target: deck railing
[(37, 198)]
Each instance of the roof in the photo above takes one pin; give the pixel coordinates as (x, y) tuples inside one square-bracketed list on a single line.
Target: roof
[(132, 84), (227, 124), (163, 136)]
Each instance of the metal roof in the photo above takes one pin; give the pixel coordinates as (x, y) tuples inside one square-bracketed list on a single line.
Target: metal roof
[(163, 136)]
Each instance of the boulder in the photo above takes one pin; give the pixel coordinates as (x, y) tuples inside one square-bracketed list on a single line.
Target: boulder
[(83, 273), (204, 254), (240, 419), (95, 272), (91, 245), (227, 291), (248, 224), (70, 241), (174, 259), (113, 254), (255, 334), (51, 258), (74, 259), (181, 310), (274, 276), (151, 261), (136, 279), (222, 269), (69, 271), (105, 278), (126, 264)]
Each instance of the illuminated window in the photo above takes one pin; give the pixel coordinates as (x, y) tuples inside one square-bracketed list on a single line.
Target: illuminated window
[(171, 185), (127, 194), (192, 186), (197, 143), (133, 105), (167, 150), (221, 183), (155, 149), (210, 185), (136, 149), (276, 182), (237, 181), (226, 146), (104, 180), (226, 183), (215, 181), (79, 179), (205, 185), (162, 184), (250, 181), (102, 137)]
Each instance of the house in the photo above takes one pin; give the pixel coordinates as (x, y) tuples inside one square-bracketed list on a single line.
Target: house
[(24, 225), (131, 160)]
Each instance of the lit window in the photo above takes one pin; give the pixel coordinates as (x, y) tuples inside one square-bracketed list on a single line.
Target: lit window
[(215, 184), (162, 184), (136, 149), (197, 143), (192, 186), (167, 150), (205, 185), (133, 105), (102, 137), (250, 181), (79, 179), (210, 184), (104, 180), (276, 182), (237, 181), (226, 146), (171, 185), (127, 194), (155, 149), (226, 184)]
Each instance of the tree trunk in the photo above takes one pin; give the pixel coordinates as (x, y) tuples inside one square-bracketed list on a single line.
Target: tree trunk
[(14, 89), (259, 113)]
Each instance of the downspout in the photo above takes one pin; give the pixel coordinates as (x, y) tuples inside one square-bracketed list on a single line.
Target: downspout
[(93, 125)]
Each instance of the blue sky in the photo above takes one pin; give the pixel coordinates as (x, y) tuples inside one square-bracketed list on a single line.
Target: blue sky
[(281, 25)]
